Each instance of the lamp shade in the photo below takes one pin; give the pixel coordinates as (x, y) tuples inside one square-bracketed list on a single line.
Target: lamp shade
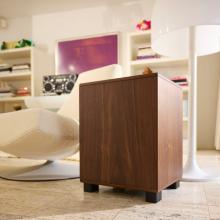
[(171, 20)]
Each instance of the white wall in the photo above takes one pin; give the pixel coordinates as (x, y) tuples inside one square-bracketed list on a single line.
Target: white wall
[(17, 29), (208, 83), (90, 21)]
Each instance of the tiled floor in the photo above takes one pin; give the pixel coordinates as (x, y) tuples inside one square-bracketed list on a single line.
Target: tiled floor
[(65, 200)]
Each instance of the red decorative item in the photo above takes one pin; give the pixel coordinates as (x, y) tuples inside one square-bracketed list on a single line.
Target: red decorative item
[(144, 25), (23, 92)]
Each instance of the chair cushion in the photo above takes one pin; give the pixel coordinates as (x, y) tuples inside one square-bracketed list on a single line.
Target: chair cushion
[(38, 134)]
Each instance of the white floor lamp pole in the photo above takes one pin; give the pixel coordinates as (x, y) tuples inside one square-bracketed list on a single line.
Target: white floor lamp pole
[(191, 171), (190, 29)]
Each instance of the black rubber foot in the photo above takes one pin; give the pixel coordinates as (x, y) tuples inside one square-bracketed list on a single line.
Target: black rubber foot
[(174, 185), (91, 187), (153, 197)]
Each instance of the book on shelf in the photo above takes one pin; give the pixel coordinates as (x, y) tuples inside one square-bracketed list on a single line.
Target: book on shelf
[(183, 84), (6, 90), (7, 94), (181, 80), (4, 87), (4, 66), (14, 69), (20, 71), (146, 53), (21, 66), (5, 72), (147, 57)]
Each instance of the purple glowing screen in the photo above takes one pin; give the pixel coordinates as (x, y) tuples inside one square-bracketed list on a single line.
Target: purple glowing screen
[(77, 56)]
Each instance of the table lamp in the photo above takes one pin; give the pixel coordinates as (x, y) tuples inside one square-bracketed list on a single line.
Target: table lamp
[(187, 29)]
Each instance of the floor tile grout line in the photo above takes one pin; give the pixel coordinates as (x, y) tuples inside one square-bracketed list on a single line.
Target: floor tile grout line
[(121, 210), (203, 186), (209, 213), (116, 214)]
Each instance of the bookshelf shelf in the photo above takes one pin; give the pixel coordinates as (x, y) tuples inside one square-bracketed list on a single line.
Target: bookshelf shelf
[(16, 76), (169, 67), (15, 53), (33, 63), (13, 99), (140, 33), (159, 62)]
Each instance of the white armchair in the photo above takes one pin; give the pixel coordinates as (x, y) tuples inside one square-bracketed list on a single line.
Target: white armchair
[(52, 103), (43, 135)]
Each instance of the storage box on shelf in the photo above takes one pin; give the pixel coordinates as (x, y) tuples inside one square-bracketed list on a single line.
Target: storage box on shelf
[(168, 67), (30, 76)]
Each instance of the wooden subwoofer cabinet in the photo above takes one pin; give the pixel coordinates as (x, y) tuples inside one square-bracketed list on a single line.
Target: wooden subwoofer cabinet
[(131, 134)]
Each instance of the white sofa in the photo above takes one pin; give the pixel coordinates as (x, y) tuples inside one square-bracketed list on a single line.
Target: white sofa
[(40, 134)]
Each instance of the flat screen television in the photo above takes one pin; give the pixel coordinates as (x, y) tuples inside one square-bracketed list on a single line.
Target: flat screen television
[(80, 55)]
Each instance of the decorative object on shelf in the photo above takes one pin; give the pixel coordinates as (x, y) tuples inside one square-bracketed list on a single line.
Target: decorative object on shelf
[(147, 70), (58, 84), (190, 29), (8, 45), (24, 43), (6, 90), (24, 91), (144, 25), (16, 44), (17, 107)]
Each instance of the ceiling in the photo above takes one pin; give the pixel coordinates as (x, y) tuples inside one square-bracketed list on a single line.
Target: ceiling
[(22, 8)]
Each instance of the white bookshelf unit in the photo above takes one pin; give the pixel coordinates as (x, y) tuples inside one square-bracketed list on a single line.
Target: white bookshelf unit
[(32, 79), (168, 67)]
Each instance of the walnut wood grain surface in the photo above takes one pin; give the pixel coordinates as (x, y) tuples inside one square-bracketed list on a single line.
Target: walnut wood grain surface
[(130, 133)]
